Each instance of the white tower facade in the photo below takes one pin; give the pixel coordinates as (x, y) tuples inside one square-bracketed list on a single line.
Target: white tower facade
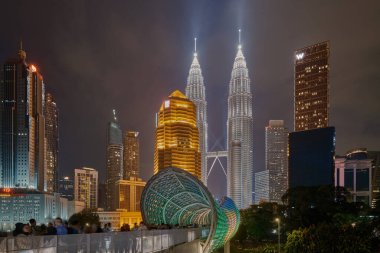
[(240, 134), (196, 92)]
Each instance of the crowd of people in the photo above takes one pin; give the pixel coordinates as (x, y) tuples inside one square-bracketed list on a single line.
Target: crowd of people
[(60, 227)]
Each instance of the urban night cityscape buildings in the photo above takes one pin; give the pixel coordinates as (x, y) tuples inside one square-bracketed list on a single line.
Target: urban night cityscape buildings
[(299, 65)]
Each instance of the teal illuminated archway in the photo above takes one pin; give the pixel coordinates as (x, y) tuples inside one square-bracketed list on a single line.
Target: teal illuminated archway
[(174, 196)]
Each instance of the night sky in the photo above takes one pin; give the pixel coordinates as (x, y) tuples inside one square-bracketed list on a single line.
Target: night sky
[(96, 56)]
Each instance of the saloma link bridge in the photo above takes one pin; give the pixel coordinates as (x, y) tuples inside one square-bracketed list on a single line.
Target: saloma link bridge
[(175, 197)]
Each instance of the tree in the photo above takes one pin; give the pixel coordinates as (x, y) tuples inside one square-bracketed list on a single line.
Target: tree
[(86, 217)]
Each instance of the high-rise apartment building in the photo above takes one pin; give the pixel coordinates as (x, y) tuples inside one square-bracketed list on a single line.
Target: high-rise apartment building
[(131, 155), (66, 188), (52, 141), (114, 160), (239, 134), (311, 87), (22, 125), (86, 186), (129, 194), (177, 136), (311, 157), (276, 159), (196, 92)]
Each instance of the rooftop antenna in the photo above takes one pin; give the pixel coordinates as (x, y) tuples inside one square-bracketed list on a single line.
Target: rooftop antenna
[(195, 46), (114, 114), (239, 38)]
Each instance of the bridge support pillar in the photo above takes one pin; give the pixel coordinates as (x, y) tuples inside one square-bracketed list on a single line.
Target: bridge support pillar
[(227, 247)]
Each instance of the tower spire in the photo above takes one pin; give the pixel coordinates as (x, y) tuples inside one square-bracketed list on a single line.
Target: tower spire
[(239, 38), (195, 46), (21, 52)]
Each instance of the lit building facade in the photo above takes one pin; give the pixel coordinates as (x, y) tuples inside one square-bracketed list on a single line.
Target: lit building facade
[(129, 194), (311, 87), (20, 205), (311, 157), (276, 159), (114, 160), (262, 186), (86, 186), (375, 157), (240, 134), (354, 172), (131, 154), (177, 136), (196, 92), (52, 141), (118, 218), (22, 131), (66, 188)]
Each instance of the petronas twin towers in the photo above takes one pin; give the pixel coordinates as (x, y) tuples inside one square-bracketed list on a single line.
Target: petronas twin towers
[(239, 127)]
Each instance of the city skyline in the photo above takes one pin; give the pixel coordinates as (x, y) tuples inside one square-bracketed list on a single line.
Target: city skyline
[(260, 49)]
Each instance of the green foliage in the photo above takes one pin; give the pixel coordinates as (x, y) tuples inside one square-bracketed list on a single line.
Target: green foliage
[(86, 217), (326, 238), (257, 222)]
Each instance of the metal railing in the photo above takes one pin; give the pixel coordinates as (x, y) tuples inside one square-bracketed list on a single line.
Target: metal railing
[(116, 242)]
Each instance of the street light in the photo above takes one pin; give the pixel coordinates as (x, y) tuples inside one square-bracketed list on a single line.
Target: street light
[(279, 233)]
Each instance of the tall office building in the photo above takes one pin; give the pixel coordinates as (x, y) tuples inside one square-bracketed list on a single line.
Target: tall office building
[(276, 159), (131, 155), (311, 87), (22, 125), (52, 141), (177, 136), (114, 160), (86, 186), (239, 134), (196, 92), (66, 188), (129, 194), (311, 157), (262, 187)]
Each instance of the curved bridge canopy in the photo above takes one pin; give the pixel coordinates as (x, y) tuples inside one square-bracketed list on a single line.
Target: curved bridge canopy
[(174, 196)]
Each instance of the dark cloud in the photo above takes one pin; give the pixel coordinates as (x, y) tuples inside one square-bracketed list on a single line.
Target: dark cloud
[(129, 55)]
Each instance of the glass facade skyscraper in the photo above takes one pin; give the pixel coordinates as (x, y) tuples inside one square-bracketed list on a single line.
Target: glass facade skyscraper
[(22, 125), (311, 157), (276, 158), (311, 87), (131, 155), (177, 136), (196, 92), (52, 141), (240, 134), (114, 160)]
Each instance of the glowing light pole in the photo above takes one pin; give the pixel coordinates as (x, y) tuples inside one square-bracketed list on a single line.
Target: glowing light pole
[(279, 233)]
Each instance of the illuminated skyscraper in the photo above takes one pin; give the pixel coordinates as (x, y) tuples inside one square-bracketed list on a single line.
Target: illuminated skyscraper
[(86, 186), (22, 125), (311, 87), (276, 159), (239, 134), (52, 140), (129, 194), (177, 136), (131, 155), (114, 160), (195, 91)]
